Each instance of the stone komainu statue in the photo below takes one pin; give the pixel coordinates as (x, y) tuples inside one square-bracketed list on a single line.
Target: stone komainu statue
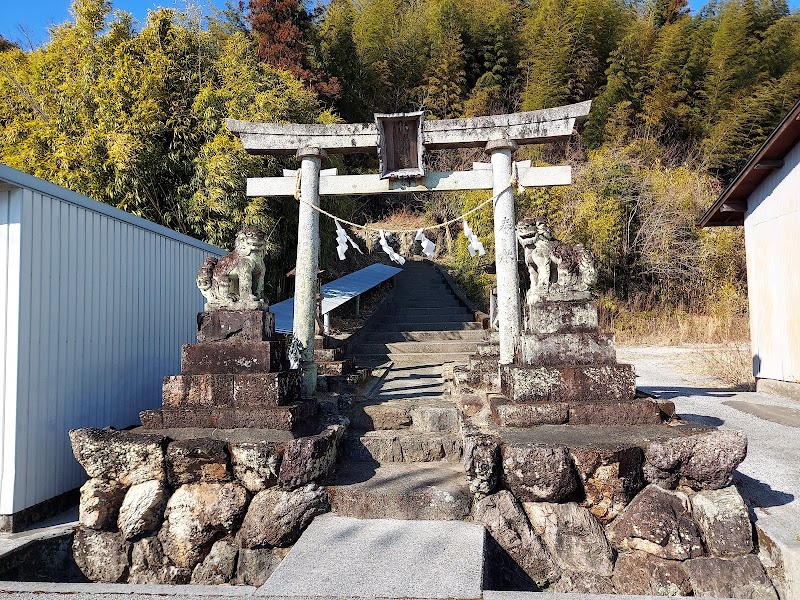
[(574, 266), (236, 281)]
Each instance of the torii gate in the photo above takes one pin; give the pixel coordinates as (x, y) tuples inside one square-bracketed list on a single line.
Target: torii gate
[(400, 140)]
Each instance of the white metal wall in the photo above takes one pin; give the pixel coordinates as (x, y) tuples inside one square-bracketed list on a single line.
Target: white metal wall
[(105, 301), (772, 234)]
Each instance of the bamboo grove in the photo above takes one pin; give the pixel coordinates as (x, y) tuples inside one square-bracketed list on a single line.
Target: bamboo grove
[(132, 115)]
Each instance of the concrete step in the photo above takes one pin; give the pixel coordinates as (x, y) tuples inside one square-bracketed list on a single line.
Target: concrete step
[(439, 301), (429, 491), (424, 416), (402, 446), (422, 322), (428, 347), (411, 358), (382, 558), (423, 336), (424, 289), (395, 326), (413, 312)]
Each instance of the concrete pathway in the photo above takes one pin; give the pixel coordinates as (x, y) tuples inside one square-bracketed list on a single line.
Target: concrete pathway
[(45, 530), (769, 478), (383, 558)]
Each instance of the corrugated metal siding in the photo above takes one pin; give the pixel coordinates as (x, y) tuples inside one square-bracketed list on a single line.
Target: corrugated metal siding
[(771, 226), (105, 305), (10, 209)]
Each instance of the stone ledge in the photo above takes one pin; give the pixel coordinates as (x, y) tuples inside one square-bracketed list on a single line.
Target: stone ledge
[(611, 412), (240, 356), (566, 349), (568, 383), (244, 325), (286, 417), (562, 316), (240, 390)]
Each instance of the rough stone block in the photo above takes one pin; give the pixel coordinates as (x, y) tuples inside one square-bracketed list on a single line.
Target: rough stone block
[(508, 525), (724, 522), (639, 573), (101, 555), (142, 509), (277, 517), (309, 458), (285, 418), (632, 412), (611, 477), (538, 473), (335, 368), (328, 354), (128, 457), (220, 564), (701, 461), (568, 316), (741, 577), (256, 464), (482, 463), (197, 390), (573, 537), (566, 349), (568, 383), (241, 356), (152, 419), (266, 389), (528, 415), (255, 565), (659, 522), (196, 460), (100, 503), (196, 515), (247, 325)]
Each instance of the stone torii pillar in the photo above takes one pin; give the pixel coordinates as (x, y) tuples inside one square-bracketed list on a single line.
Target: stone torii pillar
[(505, 247), (305, 283), (399, 140)]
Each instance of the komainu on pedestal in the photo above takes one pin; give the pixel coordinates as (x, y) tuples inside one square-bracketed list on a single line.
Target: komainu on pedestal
[(565, 370), (237, 374)]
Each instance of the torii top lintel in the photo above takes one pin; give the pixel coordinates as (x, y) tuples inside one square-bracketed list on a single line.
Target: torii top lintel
[(534, 127)]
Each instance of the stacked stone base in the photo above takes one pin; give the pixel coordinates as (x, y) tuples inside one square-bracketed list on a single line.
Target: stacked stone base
[(236, 376), (566, 372)]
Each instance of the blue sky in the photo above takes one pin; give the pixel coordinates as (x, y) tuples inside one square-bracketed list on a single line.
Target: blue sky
[(35, 16)]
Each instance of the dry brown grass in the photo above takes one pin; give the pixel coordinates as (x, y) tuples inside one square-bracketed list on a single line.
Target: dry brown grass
[(732, 364), (655, 328)]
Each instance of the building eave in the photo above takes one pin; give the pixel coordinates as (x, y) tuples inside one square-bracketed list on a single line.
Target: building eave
[(729, 209)]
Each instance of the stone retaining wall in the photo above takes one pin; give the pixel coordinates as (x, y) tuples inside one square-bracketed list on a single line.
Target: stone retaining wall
[(662, 519), (203, 510)]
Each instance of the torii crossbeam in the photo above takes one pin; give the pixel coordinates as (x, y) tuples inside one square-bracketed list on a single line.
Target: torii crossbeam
[(399, 140)]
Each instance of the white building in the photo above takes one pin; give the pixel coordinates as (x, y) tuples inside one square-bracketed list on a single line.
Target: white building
[(765, 198), (94, 306)]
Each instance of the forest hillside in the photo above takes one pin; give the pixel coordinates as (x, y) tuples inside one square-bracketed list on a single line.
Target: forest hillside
[(134, 116)]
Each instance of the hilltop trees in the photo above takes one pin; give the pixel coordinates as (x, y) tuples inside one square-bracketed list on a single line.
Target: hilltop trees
[(135, 118)]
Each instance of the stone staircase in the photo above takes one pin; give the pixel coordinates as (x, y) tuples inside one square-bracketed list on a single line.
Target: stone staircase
[(402, 453), (424, 324)]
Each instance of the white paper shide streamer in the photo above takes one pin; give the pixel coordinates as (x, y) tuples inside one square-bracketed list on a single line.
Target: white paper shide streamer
[(428, 247), (475, 245), (341, 241), (390, 251)]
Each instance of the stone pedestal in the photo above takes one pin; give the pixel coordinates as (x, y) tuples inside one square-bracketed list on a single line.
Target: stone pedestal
[(236, 375), (566, 371)]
